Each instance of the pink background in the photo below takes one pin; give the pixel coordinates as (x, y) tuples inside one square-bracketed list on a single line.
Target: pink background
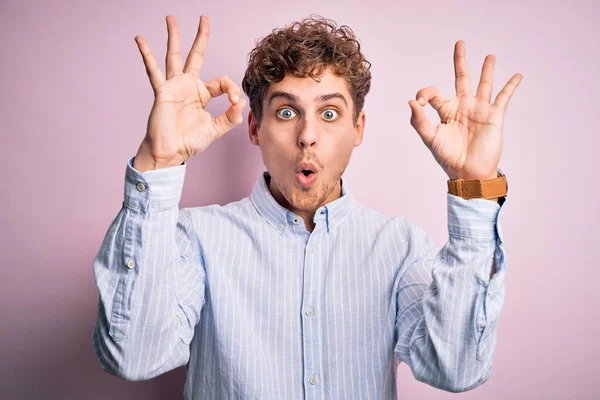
[(74, 102)]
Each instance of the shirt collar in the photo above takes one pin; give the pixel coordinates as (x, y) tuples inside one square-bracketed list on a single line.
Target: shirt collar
[(280, 217)]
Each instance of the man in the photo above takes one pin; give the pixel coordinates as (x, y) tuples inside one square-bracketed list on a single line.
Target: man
[(298, 291)]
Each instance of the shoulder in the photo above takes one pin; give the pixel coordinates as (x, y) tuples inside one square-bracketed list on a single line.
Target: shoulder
[(397, 230), (234, 211), (394, 224)]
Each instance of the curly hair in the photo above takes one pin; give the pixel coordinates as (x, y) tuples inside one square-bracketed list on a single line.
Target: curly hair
[(306, 48)]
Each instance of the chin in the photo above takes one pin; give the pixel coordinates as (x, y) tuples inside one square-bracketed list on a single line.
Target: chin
[(301, 199), (307, 203), (309, 199)]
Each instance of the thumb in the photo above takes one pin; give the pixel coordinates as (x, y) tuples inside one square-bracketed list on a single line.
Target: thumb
[(419, 121)]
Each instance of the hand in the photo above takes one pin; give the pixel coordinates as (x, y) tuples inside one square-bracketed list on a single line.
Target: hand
[(468, 142), (178, 125)]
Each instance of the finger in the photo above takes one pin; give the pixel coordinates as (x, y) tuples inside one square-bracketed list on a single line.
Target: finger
[(173, 58), (223, 84), (433, 96), (461, 72), (507, 91), (228, 120), (152, 69), (419, 121), (484, 89), (194, 61)]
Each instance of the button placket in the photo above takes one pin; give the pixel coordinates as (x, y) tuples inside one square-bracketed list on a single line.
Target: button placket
[(310, 332)]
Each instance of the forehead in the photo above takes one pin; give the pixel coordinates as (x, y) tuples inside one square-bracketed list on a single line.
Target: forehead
[(307, 89)]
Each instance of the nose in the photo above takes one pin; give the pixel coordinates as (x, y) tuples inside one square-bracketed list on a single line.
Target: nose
[(307, 138)]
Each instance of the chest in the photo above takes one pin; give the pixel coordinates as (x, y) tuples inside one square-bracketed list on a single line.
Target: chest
[(332, 280)]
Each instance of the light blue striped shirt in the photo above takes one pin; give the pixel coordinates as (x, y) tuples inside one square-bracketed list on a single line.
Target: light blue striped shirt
[(257, 307)]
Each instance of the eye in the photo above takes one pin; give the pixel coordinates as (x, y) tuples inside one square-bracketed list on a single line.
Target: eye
[(330, 114), (286, 113)]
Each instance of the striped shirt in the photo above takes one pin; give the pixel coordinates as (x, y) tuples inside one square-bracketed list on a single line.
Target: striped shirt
[(257, 307)]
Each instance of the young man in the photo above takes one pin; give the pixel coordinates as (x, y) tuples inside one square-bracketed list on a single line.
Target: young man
[(298, 291)]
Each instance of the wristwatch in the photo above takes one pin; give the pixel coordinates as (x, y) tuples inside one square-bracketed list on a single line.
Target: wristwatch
[(476, 188)]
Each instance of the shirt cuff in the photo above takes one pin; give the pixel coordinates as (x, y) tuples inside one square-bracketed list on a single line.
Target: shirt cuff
[(155, 189), (474, 218)]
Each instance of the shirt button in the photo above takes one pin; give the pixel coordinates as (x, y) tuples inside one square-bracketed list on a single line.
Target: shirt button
[(281, 227), (313, 380), (309, 311), (296, 220), (131, 263), (140, 187)]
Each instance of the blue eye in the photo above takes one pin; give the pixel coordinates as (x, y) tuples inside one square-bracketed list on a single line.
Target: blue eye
[(330, 114), (286, 113)]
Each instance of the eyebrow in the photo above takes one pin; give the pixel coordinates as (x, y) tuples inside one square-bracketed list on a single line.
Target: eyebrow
[(322, 98)]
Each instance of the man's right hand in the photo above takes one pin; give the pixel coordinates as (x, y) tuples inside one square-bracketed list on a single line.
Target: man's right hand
[(178, 126)]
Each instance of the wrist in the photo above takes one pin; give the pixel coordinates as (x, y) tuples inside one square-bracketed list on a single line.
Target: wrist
[(143, 163)]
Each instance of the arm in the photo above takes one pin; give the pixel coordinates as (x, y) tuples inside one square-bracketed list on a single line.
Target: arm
[(448, 300), (149, 270), (150, 278)]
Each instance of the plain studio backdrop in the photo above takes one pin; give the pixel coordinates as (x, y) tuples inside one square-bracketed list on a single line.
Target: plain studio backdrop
[(74, 103)]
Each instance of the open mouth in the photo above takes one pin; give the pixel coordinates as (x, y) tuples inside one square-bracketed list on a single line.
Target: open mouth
[(306, 177), (306, 174)]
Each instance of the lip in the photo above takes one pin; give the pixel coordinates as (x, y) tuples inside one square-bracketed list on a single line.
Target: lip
[(306, 181), (307, 165)]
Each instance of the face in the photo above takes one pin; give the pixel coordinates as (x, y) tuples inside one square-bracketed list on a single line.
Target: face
[(305, 121)]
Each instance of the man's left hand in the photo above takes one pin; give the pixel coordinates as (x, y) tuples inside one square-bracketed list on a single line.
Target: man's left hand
[(468, 142)]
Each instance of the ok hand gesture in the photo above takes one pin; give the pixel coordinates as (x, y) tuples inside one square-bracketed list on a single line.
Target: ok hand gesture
[(178, 126), (468, 142)]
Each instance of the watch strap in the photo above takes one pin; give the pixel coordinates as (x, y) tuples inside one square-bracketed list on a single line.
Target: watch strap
[(475, 188)]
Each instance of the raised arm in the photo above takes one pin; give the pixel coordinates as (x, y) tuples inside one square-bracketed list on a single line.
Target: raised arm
[(149, 273), (447, 305), (150, 277)]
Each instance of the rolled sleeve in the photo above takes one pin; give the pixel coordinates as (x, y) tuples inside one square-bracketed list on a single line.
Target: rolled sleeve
[(479, 220), (474, 218), (157, 189)]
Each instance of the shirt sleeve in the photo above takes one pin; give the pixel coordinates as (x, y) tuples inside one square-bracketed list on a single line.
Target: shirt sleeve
[(150, 277), (447, 305)]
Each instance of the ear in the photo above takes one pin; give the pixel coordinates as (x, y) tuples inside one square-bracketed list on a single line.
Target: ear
[(359, 129), (252, 129)]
